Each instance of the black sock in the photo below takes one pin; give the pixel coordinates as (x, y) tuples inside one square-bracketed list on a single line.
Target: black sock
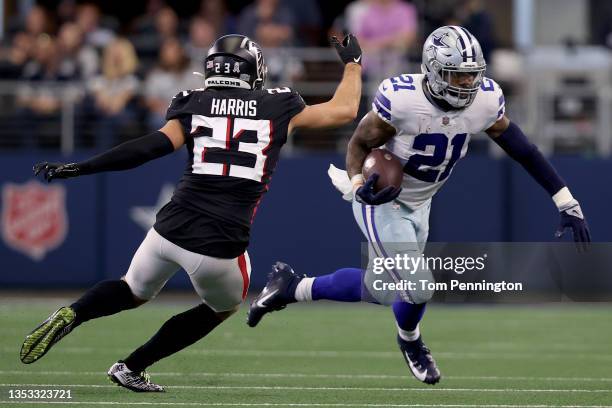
[(176, 333), (106, 298)]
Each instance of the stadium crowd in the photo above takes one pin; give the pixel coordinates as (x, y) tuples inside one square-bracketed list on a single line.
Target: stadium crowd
[(118, 78)]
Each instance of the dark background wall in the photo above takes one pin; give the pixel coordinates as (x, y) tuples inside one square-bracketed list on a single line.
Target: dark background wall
[(302, 220)]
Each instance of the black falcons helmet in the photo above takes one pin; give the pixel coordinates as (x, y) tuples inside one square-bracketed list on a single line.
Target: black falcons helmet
[(235, 61)]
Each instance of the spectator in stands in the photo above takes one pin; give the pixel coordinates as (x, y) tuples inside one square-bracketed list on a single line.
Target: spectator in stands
[(308, 21), (201, 36), (216, 13), (88, 19), (472, 15), (66, 11), (165, 26), (113, 92), (37, 22), (15, 56), (77, 61), (38, 99), (436, 14), (34, 22), (386, 30), (42, 68), (146, 22), (171, 75), (268, 23), (348, 21), (271, 24)]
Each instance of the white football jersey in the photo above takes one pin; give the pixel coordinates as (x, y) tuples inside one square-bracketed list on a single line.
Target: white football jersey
[(429, 141)]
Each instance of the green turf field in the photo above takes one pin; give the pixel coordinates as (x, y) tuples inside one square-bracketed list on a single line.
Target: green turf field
[(323, 355)]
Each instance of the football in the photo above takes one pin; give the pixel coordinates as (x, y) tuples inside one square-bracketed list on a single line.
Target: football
[(386, 165)]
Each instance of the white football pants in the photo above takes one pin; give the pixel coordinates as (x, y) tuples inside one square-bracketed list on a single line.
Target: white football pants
[(221, 283)]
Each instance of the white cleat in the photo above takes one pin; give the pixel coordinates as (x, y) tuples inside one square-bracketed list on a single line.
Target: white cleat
[(138, 382)]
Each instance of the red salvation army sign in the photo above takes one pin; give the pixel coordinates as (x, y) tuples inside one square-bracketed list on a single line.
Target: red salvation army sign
[(34, 218)]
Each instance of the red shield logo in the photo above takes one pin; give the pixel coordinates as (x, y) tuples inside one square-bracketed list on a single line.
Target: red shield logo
[(34, 219)]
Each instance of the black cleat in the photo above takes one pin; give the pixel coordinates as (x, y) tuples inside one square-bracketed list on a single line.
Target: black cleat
[(276, 295), (420, 361), (137, 382), (46, 335)]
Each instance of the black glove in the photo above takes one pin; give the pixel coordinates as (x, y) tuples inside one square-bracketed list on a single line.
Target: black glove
[(572, 218), (366, 195), (349, 50), (56, 170)]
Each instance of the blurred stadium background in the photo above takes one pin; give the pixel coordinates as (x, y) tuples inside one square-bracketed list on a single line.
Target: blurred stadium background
[(77, 77)]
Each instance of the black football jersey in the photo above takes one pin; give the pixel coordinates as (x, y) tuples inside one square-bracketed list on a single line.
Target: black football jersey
[(233, 137)]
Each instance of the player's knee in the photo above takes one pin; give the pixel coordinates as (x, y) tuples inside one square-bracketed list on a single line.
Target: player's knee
[(421, 296), (224, 305), (206, 313), (227, 313), (138, 299)]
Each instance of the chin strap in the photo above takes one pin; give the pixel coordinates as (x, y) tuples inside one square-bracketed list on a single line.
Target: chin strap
[(438, 100), (432, 93)]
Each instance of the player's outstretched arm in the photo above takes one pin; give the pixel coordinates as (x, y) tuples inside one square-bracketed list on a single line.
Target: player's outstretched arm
[(125, 156), (343, 106), (514, 142)]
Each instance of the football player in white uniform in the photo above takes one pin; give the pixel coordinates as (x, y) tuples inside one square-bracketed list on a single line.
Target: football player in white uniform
[(426, 121)]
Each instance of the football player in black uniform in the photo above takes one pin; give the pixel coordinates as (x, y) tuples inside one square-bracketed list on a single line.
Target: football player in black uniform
[(233, 129)]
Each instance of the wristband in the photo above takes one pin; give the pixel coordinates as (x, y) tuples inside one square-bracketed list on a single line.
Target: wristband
[(357, 181), (562, 198)]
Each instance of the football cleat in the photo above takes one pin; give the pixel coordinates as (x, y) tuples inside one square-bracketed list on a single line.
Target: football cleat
[(42, 338), (420, 361), (138, 382), (276, 295)]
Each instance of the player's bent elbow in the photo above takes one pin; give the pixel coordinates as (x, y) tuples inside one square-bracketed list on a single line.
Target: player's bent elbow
[(347, 114), (354, 112)]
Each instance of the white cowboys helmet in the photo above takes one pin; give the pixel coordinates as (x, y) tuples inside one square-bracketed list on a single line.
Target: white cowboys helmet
[(448, 53)]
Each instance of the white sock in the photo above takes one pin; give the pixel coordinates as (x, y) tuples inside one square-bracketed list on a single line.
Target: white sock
[(408, 335), (303, 291)]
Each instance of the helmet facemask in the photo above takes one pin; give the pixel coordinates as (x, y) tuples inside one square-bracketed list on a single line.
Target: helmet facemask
[(448, 84), (262, 68)]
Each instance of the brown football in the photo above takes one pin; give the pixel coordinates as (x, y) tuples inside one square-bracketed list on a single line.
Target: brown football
[(386, 165)]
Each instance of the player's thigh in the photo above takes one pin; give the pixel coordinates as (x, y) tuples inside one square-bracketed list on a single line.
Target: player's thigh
[(420, 221), (222, 283), (404, 232), (149, 270), (392, 231), (387, 227)]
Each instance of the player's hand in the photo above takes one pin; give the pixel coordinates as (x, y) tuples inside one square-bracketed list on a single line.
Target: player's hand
[(572, 218), (52, 171), (349, 50), (366, 195)]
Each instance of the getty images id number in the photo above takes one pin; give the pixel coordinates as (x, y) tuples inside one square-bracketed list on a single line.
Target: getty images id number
[(39, 394)]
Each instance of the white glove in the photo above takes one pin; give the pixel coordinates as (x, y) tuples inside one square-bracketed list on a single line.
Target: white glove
[(341, 181)]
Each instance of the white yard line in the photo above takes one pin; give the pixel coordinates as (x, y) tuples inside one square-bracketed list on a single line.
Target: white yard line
[(309, 375), (298, 388), (292, 404)]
